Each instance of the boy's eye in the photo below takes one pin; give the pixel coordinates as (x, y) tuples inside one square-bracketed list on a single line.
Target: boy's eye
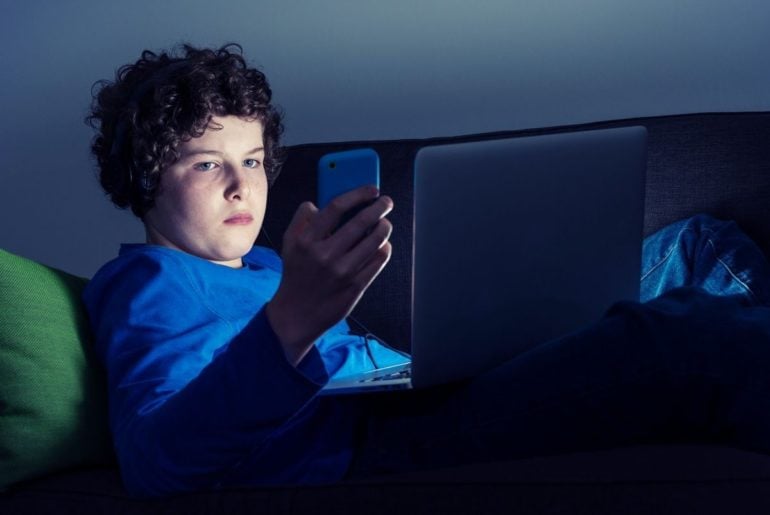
[(205, 167), (251, 163)]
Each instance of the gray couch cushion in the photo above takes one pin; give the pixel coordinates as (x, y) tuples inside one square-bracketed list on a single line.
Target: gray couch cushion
[(636, 480)]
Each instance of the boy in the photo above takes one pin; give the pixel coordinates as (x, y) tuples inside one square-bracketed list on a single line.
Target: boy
[(216, 350)]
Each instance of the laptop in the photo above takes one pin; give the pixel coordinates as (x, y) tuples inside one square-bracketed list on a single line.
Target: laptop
[(517, 241)]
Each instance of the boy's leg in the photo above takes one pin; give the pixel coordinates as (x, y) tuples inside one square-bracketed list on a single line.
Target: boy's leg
[(708, 253), (684, 367)]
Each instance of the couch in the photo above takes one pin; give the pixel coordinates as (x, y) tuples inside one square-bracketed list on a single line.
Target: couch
[(54, 442)]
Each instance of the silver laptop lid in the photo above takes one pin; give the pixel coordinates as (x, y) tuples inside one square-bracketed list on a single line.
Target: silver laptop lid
[(518, 241)]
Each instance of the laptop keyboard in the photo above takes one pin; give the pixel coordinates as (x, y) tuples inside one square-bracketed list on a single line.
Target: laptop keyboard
[(401, 374)]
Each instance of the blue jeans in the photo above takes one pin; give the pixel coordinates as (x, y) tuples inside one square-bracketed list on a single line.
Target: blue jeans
[(706, 253), (691, 362)]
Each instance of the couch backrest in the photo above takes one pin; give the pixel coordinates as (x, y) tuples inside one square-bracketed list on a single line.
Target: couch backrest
[(713, 163)]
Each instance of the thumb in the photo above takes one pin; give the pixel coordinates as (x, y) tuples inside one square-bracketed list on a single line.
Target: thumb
[(301, 219)]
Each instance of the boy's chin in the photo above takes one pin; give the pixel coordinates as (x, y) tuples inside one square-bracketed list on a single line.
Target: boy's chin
[(233, 252)]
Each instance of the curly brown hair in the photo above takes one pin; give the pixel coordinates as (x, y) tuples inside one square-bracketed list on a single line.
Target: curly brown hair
[(164, 99)]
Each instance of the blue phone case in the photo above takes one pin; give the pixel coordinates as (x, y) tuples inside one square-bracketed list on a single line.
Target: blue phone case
[(341, 172)]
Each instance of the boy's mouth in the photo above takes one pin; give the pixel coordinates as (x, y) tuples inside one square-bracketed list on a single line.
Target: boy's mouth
[(240, 219)]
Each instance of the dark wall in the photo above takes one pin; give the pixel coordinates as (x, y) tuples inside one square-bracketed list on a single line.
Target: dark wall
[(355, 70)]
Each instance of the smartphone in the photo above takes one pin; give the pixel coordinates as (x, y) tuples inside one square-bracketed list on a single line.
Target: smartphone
[(341, 172)]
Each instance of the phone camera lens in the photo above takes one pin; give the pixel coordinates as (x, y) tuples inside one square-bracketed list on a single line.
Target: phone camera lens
[(332, 165)]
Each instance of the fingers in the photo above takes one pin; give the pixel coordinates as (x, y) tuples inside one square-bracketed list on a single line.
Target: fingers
[(324, 277), (329, 217), (372, 269), (361, 244), (357, 284), (301, 220), (359, 256), (357, 227)]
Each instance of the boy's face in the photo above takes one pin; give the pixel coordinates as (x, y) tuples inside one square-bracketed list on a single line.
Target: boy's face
[(211, 203)]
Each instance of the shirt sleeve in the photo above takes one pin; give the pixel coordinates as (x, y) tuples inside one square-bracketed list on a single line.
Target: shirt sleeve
[(345, 353), (190, 393)]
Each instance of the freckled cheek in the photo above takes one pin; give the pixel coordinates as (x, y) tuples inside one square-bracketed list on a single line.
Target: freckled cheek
[(262, 195), (195, 210), (260, 182), (259, 188)]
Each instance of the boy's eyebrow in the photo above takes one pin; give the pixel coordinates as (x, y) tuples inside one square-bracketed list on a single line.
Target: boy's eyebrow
[(218, 153)]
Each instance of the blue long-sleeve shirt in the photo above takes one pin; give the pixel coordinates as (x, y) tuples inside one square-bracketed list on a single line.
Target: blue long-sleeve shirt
[(201, 394)]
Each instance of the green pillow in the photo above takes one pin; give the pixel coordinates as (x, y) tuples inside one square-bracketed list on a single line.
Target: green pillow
[(53, 406)]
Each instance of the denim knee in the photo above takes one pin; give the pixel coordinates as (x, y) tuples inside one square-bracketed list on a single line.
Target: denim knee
[(662, 245), (705, 252), (706, 222)]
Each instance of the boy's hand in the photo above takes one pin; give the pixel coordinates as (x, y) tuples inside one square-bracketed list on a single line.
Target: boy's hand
[(325, 273)]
